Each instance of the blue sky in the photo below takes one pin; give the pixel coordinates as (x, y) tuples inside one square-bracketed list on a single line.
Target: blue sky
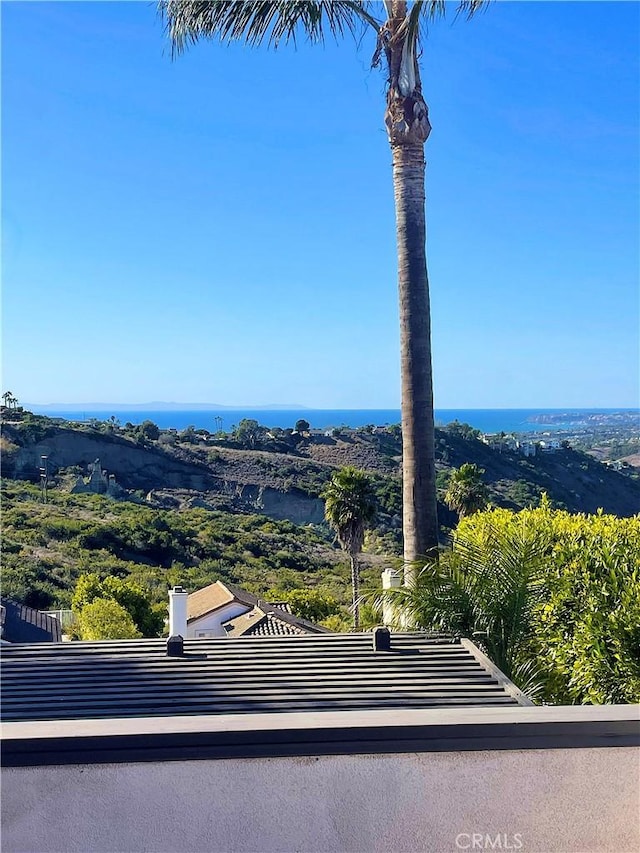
[(220, 228)]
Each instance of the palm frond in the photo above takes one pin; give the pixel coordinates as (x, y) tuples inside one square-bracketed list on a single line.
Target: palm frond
[(350, 505), (530, 677), (408, 64), (438, 601), (257, 21), (424, 11), (485, 589), (432, 9), (468, 8)]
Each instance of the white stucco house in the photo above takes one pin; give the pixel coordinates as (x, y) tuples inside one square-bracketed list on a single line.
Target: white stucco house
[(550, 445), (527, 448), (225, 610)]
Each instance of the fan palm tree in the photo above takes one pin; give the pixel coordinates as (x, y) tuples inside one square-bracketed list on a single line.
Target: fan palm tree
[(350, 506), (466, 493), (8, 399), (486, 589), (407, 122)]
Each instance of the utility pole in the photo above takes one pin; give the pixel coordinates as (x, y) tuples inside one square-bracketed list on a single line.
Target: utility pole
[(44, 476)]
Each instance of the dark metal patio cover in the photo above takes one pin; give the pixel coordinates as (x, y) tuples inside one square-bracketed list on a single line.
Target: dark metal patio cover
[(324, 672)]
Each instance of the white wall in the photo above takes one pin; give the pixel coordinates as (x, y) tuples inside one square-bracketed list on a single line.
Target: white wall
[(213, 621), (533, 800)]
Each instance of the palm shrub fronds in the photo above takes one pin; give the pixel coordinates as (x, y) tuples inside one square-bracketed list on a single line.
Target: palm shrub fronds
[(258, 21), (485, 588), (553, 598)]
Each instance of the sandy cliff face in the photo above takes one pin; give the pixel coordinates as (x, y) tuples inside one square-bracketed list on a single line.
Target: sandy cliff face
[(135, 467), (293, 505), (284, 485), (153, 470)]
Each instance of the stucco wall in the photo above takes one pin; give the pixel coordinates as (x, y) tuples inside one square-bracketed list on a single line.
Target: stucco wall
[(213, 621), (532, 800)]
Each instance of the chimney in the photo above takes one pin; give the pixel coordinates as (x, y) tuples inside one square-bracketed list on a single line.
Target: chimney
[(178, 612), (391, 579)]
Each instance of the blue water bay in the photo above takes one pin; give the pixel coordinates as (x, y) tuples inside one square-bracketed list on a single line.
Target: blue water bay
[(486, 420)]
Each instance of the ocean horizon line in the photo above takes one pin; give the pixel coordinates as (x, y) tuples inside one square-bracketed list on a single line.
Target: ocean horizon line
[(275, 407), (226, 419)]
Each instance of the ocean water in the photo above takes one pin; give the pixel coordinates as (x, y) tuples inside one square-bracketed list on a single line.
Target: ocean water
[(486, 420)]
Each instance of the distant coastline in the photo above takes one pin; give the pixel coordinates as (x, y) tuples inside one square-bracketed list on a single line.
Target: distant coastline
[(156, 406), (224, 418)]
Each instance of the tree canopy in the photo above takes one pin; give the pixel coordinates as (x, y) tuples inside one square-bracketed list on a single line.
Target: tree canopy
[(128, 594), (312, 604), (249, 433), (105, 619)]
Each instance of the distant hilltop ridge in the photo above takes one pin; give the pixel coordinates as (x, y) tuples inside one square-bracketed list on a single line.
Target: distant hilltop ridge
[(629, 415), (282, 473), (161, 407)]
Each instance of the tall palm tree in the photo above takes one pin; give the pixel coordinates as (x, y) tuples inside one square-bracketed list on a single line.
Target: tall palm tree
[(466, 493), (407, 122), (350, 506), (8, 399)]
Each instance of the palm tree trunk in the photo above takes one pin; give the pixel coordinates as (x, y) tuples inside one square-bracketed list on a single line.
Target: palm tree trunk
[(419, 509), (355, 588), (408, 127)]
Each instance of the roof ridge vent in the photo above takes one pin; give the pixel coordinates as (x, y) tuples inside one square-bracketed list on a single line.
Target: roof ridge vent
[(175, 647), (381, 639)]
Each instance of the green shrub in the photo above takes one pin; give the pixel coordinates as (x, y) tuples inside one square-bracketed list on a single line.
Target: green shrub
[(126, 593), (586, 622), (105, 619), (311, 604)]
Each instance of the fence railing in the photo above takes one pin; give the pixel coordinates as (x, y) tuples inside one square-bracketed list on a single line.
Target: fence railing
[(64, 617)]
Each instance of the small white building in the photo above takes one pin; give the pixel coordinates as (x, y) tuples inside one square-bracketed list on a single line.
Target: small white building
[(214, 611), (499, 441), (527, 448)]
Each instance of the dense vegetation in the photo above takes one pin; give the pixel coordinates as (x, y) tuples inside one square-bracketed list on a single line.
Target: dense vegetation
[(553, 598), (47, 547)]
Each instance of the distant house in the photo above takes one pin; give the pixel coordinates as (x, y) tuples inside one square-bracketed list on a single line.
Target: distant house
[(616, 464), (491, 439), (225, 610), (268, 622), (500, 442), (527, 448), (22, 624), (550, 445)]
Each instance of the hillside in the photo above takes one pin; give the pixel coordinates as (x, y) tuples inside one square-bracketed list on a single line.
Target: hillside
[(195, 510), (284, 481), (46, 547)]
